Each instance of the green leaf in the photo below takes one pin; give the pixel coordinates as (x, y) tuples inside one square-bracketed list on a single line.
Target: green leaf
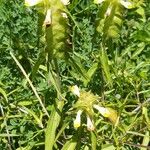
[(90, 73), (36, 66), (77, 65), (38, 121), (93, 141), (105, 66), (25, 103), (52, 125), (146, 140), (141, 12), (140, 48), (61, 130), (143, 36), (108, 147), (6, 135), (70, 145), (4, 94)]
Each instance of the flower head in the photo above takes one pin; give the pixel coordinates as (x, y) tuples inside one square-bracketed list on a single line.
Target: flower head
[(85, 103)]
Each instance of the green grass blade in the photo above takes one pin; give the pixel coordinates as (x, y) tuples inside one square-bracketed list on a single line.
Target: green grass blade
[(29, 81)]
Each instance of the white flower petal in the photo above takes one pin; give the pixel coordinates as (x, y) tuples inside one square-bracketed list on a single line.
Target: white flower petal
[(90, 125), (32, 2), (75, 90), (126, 4), (47, 20), (104, 111), (64, 15), (98, 1), (65, 2), (108, 11), (77, 121)]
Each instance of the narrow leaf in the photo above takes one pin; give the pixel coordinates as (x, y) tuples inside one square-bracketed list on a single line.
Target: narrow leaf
[(105, 66), (146, 140), (4, 94), (52, 125)]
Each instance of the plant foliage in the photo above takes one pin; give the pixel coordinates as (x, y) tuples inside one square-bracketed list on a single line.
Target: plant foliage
[(75, 75)]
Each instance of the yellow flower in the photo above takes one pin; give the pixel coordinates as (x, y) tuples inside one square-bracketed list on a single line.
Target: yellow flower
[(90, 125), (75, 90), (32, 2), (77, 121)]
